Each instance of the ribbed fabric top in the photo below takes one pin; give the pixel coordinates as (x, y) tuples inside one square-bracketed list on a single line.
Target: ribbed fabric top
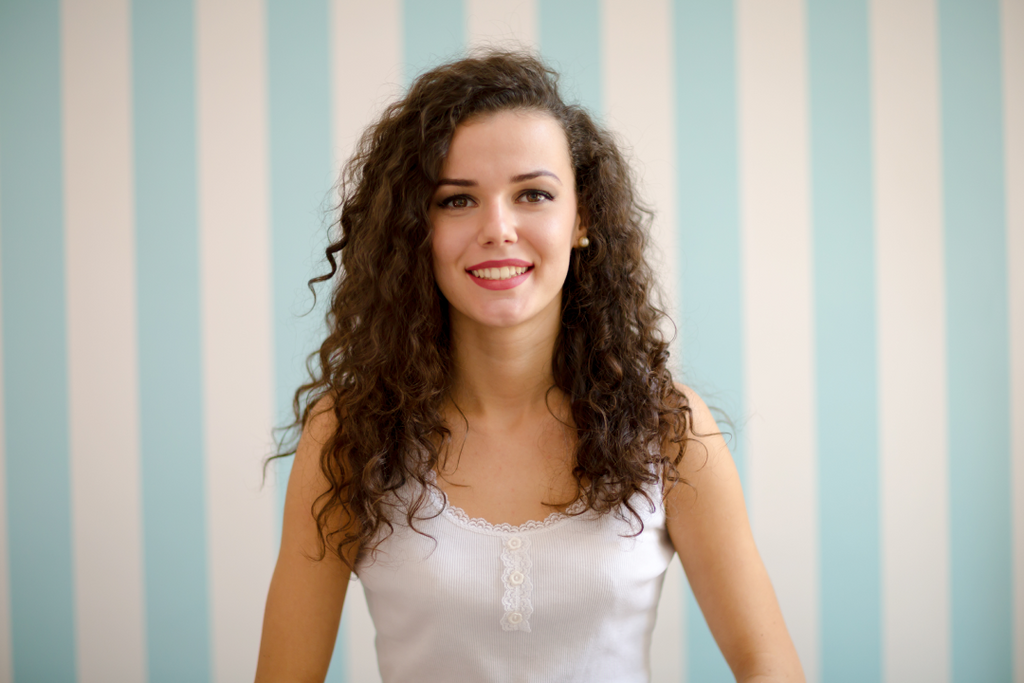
[(570, 598)]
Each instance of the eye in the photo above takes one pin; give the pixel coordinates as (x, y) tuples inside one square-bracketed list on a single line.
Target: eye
[(536, 196), (458, 201)]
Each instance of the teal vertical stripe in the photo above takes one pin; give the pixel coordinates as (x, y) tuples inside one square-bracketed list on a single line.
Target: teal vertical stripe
[(570, 39), (711, 319), (35, 343), (845, 337), (977, 340), (433, 32), (299, 90), (170, 366)]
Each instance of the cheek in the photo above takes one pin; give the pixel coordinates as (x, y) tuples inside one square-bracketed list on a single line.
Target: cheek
[(444, 258), (558, 240), (440, 271), (440, 248)]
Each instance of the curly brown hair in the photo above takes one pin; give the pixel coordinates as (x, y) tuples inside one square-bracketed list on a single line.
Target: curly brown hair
[(385, 368)]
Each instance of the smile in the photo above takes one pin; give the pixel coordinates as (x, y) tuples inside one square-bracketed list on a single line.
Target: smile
[(500, 277), (503, 273)]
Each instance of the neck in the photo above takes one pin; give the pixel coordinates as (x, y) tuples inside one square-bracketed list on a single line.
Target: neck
[(504, 374)]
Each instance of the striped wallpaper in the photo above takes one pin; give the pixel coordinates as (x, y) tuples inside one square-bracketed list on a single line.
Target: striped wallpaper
[(840, 236)]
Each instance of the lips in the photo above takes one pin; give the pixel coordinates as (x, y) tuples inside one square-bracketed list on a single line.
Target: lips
[(509, 262), (507, 283)]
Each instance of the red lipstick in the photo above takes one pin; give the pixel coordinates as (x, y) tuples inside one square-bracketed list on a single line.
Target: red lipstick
[(508, 283), (510, 262)]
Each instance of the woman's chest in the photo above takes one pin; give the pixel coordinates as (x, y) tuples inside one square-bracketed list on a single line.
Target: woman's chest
[(553, 573), (572, 599), (510, 478)]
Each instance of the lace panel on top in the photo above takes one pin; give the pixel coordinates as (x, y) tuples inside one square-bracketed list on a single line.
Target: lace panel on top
[(517, 602)]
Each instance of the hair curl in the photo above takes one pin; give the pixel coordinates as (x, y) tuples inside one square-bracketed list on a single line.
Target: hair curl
[(386, 364)]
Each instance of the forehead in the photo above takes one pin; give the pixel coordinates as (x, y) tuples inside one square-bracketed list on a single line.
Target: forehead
[(516, 141)]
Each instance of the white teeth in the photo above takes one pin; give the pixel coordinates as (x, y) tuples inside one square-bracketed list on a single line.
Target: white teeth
[(503, 273)]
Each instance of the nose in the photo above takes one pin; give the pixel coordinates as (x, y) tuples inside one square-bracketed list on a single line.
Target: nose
[(497, 225)]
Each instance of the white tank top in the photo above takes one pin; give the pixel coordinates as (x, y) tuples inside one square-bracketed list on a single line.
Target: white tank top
[(570, 598)]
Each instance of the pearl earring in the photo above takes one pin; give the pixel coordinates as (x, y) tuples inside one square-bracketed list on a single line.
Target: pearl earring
[(584, 242)]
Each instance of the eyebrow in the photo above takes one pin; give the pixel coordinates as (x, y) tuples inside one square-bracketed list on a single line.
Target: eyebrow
[(459, 182)]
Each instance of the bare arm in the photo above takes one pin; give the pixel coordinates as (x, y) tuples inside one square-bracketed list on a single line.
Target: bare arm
[(709, 527), (305, 599)]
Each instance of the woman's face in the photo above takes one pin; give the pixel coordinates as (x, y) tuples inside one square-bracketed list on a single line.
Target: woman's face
[(505, 220)]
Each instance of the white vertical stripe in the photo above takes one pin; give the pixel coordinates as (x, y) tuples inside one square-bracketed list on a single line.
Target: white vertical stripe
[(777, 289), (668, 642), (638, 87), (236, 327), (1013, 116), (360, 636), (502, 23), (366, 67), (358, 96), (102, 340), (6, 660), (911, 340)]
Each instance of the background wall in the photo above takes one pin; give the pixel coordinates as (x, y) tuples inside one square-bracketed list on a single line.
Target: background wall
[(840, 232)]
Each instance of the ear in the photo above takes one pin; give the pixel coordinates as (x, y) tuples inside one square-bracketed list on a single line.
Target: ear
[(580, 230)]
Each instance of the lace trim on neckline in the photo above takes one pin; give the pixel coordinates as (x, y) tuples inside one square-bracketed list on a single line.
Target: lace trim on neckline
[(459, 515), (480, 524)]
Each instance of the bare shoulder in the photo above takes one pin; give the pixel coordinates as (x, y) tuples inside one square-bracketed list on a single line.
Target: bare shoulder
[(706, 452), (308, 480), (321, 425), (702, 422)]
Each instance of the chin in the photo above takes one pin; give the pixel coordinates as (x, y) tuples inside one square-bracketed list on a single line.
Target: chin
[(501, 320), (498, 316)]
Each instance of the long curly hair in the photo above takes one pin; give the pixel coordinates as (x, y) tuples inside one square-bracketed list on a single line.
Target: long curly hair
[(385, 368)]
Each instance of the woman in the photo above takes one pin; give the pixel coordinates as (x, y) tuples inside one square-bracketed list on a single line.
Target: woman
[(493, 441)]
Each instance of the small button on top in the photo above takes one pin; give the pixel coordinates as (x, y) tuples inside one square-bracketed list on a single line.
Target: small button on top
[(516, 578), (515, 543), (515, 618)]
